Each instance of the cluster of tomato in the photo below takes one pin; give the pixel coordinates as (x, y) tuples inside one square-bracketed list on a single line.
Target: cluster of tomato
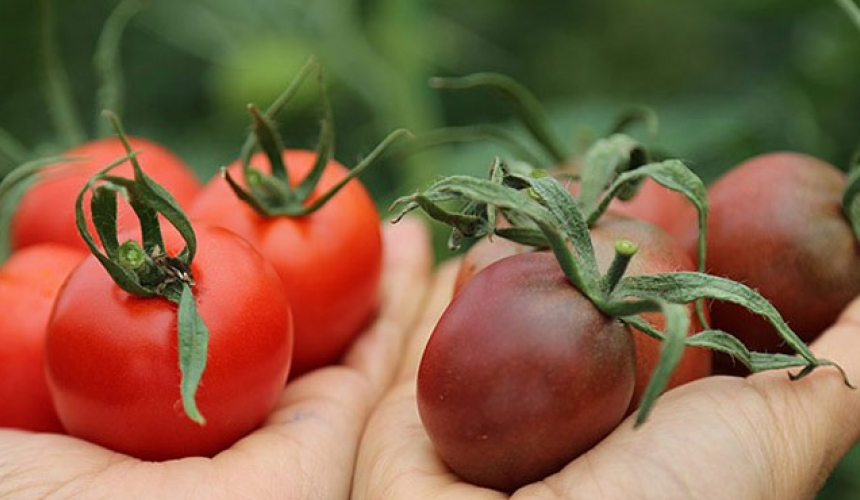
[(550, 369), (276, 294)]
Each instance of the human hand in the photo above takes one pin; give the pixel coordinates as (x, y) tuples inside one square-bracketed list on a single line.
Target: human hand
[(306, 449), (720, 437)]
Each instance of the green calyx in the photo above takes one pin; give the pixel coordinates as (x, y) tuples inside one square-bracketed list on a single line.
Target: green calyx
[(145, 269), (851, 195), (272, 194), (542, 213)]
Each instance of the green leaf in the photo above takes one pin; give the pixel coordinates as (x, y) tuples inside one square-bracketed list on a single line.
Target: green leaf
[(677, 324), (685, 287), (603, 162), (674, 175), (193, 337), (634, 115), (569, 217), (528, 107)]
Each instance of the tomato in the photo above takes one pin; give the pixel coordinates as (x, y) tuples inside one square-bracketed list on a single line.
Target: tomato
[(658, 253), (522, 374), (655, 204), (29, 283), (776, 224), (330, 261), (658, 205), (46, 212), (112, 363)]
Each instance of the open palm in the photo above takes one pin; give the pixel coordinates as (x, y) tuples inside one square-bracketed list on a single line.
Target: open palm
[(306, 449), (721, 437)]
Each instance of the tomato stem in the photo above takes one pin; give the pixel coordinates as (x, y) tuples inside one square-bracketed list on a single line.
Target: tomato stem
[(624, 251), (131, 255)]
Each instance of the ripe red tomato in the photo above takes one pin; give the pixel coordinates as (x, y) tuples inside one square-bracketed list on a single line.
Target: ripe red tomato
[(669, 210), (776, 224), (658, 253), (330, 261), (29, 283), (522, 374), (46, 212), (655, 204), (112, 362)]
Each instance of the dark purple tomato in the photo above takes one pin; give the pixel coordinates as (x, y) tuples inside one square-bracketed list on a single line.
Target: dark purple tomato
[(776, 225), (522, 374)]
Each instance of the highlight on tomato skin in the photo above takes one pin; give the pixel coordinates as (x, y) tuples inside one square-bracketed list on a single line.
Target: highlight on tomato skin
[(46, 211), (330, 261), (522, 374), (658, 252), (29, 282), (776, 224), (112, 364)]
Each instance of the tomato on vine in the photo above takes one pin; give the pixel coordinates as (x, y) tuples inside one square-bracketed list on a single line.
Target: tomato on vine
[(315, 222), (165, 345)]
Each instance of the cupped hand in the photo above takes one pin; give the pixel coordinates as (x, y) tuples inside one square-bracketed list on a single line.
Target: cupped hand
[(762, 437), (306, 449)]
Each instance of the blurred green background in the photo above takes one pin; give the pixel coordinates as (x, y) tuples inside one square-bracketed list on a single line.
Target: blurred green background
[(728, 78)]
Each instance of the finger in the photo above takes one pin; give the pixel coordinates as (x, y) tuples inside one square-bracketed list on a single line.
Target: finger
[(396, 458), (308, 446), (408, 260), (436, 302)]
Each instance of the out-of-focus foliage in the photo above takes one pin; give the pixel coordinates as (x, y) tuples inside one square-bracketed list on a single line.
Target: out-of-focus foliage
[(728, 78)]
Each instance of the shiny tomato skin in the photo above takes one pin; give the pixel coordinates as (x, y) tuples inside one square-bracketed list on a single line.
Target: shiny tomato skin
[(522, 374), (655, 204), (658, 253), (46, 212), (776, 224), (330, 261), (112, 360), (29, 282)]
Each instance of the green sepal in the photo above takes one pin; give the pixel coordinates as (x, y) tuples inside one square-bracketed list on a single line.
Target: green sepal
[(604, 162), (677, 324), (193, 341), (103, 210), (637, 114), (158, 198), (477, 133), (325, 148), (272, 145), (686, 287), (527, 106)]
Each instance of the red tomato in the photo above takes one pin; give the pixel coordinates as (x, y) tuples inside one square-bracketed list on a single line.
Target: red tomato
[(776, 225), (46, 212), (667, 209), (29, 283), (330, 261), (658, 253), (112, 361), (522, 374)]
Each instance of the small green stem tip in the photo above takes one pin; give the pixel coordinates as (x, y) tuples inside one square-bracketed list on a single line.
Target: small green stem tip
[(624, 251), (131, 255)]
